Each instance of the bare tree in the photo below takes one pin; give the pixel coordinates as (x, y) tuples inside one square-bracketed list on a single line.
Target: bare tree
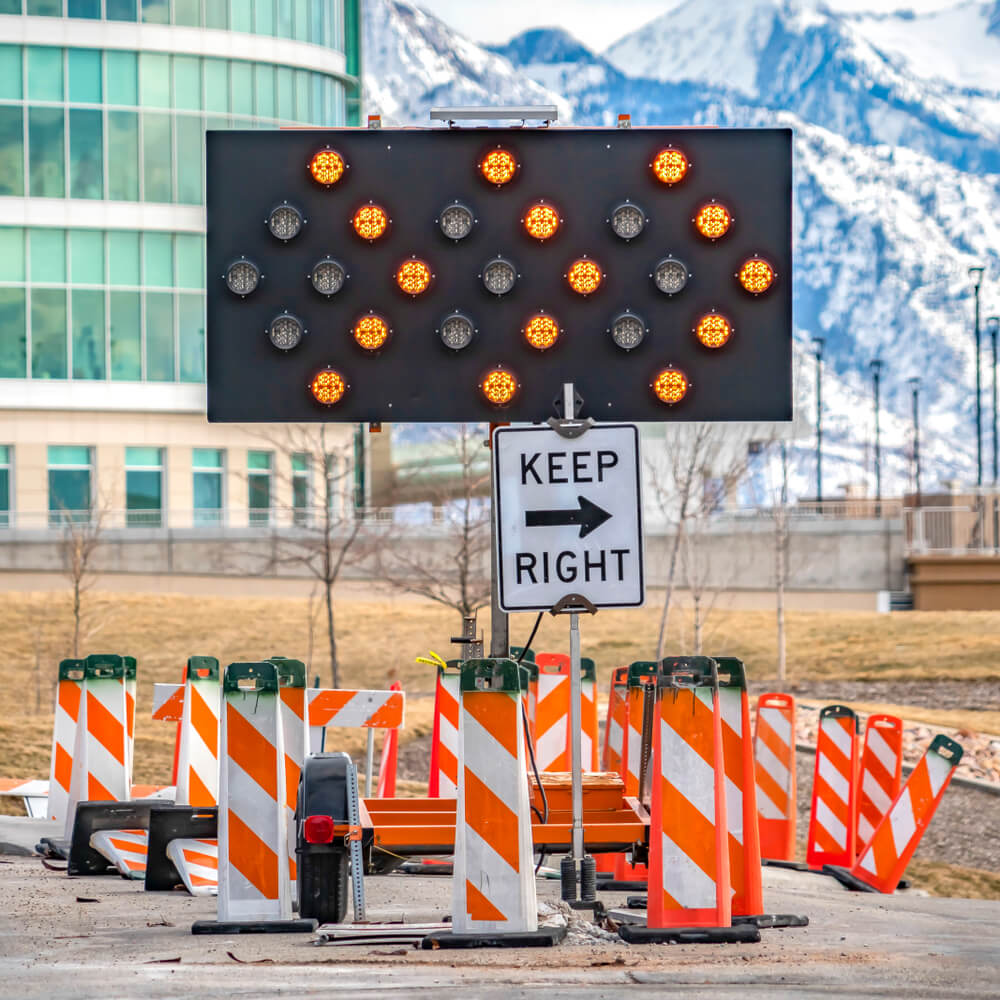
[(698, 470), (320, 536), (447, 559), (80, 537)]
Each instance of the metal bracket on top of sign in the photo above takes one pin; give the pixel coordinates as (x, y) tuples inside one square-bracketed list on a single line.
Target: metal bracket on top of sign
[(569, 425), (544, 113), (572, 604)]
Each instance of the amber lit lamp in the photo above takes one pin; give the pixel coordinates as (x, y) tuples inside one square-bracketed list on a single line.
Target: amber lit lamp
[(498, 166), (713, 330), (756, 275), (713, 221), (499, 386), (541, 221), (327, 167), (371, 332), (413, 277), (670, 166), (584, 276), (541, 332), (670, 386), (328, 387), (370, 222)]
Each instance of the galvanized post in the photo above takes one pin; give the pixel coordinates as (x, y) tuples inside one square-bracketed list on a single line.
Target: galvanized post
[(499, 624), (370, 764), (575, 727)]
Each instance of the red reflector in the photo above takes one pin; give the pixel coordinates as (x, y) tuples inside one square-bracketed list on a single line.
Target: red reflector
[(318, 829)]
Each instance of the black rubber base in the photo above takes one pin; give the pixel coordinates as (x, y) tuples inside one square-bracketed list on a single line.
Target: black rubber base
[(767, 920), (418, 868), (544, 937), (51, 847), (795, 866), (254, 926), (846, 879), (604, 876), (637, 934), (636, 902), (613, 885)]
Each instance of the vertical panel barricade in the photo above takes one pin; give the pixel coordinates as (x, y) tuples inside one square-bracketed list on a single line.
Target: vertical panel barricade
[(386, 788), (532, 700), (881, 773), (615, 723), (197, 863), (443, 781), (100, 755), (588, 715), (774, 752), (131, 672), (833, 817), (294, 734), (352, 710), (689, 852), (552, 712), (493, 887), (198, 749), (69, 693), (253, 852), (741, 789), (884, 860)]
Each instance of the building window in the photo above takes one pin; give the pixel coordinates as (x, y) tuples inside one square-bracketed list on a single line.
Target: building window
[(208, 469), (144, 487), (70, 483), (300, 489), (5, 464), (259, 465)]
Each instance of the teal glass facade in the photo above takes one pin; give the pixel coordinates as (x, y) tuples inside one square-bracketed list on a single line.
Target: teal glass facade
[(118, 126)]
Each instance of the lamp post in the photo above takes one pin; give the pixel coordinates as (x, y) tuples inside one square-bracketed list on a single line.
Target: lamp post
[(876, 368), (993, 329), (915, 386), (818, 343), (976, 274)]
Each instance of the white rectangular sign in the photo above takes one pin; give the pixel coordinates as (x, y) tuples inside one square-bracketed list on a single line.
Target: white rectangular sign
[(569, 517)]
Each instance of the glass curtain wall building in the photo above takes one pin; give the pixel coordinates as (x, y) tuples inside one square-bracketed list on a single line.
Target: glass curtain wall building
[(103, 110)]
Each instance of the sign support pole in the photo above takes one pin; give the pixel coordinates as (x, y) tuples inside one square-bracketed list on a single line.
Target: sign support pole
[(499, 622), (575, 728)]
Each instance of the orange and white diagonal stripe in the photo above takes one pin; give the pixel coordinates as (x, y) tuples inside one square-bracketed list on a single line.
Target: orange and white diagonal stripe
[(552, 712), (493, 887), (881, 772), (616, 721), (588, 724), (125, 849), (197, 863), (68, 697), (198, 759), (446, 734), (833, 818), (295, 736), (774, 754), (689, 857), (352, 709)]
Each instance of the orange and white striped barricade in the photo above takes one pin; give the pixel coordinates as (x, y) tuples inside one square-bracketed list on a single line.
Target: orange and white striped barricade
[(295, 735), (493, 887), (589, 729), (689, 886), (352, 710), (641, 687), (386, 787), (774, 754), (881, 774), (131, 679), (34, 792), (125, 849), (883, 861), (443, 778), (197, 863), (529, 695), (198, 759), (100, 753), (615, 723), (69, 694), (833, 817), (254, 887), (551, 735), (741, 802)]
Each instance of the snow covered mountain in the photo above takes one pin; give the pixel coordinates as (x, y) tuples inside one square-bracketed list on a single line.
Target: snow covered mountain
[(897, 186)]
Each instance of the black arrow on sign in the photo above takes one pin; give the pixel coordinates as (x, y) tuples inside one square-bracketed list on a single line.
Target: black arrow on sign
[(589, 516)]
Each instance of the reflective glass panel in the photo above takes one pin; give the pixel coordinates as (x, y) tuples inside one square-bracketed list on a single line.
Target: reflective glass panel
[(187, 83), (45, 8), (264, 86), (154, 80), (242, 88), (120, 10), (158, 260), (11, 152), (10, 72), (12, 253), (86, 153), (240, 18), (216, 85), (124, 253), (191, 324), (286, 94), (123, 78), (190, 260), (69, 492), (84, 8), (156, 11), (187, 12), (206, 458), (190, 140), (48, 255), (13, 352), (45, 73), (126, 337), (88, 334), (159, 337), (285, 27), (48, 333), (216, 14), (10, 6), (123, 156), (302, 96), (259, 460), (263, 17), (86, 248), (45, 152), (85, 75), (156, 157), (143, 498), (302, 20)]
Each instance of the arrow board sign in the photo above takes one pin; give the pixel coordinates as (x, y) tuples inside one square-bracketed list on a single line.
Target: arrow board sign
[(568, 517)]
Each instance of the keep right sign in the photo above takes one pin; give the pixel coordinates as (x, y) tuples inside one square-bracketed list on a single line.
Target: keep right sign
[(569, 517)]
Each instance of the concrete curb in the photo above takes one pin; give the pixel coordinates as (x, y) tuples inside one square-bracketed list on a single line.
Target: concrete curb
[(990, 787)]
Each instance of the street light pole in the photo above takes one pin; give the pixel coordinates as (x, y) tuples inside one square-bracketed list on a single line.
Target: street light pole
[(993, 329), (976, 273), (915, 386), (876, 367), (818, 345)]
